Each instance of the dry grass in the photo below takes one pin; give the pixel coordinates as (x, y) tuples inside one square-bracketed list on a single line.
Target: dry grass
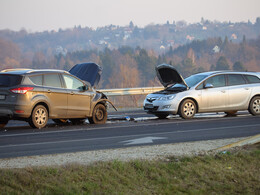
[(236, 172)]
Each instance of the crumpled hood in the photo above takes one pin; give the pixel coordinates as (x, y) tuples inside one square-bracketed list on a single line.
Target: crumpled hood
[(168, 75), (89, 72)]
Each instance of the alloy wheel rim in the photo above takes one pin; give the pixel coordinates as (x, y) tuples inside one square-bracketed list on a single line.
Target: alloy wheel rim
[(189, 109), (99, 114), (256, 105), (40, 116)]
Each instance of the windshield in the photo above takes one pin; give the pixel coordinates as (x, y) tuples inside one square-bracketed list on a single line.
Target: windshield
[(194, 79), (190, 81)]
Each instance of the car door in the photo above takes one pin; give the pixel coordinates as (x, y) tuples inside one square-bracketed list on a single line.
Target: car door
[(238, 92), (214, 95), (78, 98), (56, 95)]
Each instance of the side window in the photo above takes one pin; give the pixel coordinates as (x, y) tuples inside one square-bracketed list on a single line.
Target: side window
[(200, 86), (52, 80), (37, 80), (252, 79), (236, 79), (217, 81), (72, 83)]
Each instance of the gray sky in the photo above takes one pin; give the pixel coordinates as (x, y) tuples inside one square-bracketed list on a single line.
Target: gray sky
[(40, 15)]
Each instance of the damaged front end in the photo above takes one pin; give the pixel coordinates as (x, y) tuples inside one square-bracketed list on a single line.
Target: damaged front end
[(102, 98), (91, 73), (162, 103)]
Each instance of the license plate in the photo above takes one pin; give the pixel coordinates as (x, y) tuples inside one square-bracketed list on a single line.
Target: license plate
[(148, 106), (2, 97)]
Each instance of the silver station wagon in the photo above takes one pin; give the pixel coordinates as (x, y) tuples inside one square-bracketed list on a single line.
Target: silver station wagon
[(218, 91)]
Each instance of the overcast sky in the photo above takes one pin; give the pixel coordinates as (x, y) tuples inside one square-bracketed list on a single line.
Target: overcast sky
[(40, 15)]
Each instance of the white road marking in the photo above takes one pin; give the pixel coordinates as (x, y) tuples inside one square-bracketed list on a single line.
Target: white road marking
[(85, 128), (128, 136), (143, 140)]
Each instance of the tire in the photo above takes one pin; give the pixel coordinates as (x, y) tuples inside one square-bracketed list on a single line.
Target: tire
[(162, 116), (39, 117), (231, 113), (187, 109), (3, 122), (254, 106), (60, 121), (99, 115), (77, 121)]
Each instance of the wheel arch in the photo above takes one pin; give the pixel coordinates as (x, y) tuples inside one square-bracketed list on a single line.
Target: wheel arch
[(102, 101), (187, 98), (43, 104), (256, 95)]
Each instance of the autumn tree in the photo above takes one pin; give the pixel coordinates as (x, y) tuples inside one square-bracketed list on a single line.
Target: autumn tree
[(10, 54), (39, 61), (191, 55), (125, 77), (238, 66), (222, 64)]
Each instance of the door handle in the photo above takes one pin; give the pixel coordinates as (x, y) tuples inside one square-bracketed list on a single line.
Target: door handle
[(223, 91), (49, 91), (71, 93), (246, 88)]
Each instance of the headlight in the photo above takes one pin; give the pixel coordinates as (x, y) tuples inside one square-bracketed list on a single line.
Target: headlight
[(166, 98)]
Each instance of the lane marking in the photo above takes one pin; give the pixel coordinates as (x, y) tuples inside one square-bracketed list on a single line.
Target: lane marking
[(129, 136), (115, 127), (143, 140)]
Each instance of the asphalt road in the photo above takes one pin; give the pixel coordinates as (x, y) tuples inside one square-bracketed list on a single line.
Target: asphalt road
[(124, 129)]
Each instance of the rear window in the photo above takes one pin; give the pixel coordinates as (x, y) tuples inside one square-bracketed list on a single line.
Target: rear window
[(252, 79), (9, 80), (236, 79)]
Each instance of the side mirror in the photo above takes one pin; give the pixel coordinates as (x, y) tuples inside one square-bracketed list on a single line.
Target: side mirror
[(83, 88), (208, 85)]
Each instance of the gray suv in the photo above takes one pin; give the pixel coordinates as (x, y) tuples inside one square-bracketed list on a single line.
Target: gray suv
[(218, 91), (37, 95)]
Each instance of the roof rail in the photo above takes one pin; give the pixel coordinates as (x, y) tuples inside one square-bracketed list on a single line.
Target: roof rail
[(15, 69)]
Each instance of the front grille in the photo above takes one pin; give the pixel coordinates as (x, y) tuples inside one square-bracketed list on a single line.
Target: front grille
[(154, 108)]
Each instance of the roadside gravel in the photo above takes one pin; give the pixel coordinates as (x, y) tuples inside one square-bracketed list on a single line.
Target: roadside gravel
[(123, 154)]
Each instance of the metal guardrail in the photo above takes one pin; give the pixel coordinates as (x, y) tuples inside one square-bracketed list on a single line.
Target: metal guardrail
[(130, 91)]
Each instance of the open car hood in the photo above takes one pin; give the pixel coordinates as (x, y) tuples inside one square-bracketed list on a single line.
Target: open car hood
[(168, 75), (89, 72)]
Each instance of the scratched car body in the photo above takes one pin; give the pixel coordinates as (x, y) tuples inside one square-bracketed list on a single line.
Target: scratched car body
[(37, 95), (218, 91)]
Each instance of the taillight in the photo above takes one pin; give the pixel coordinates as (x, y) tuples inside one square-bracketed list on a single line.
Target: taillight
[(21, 90)]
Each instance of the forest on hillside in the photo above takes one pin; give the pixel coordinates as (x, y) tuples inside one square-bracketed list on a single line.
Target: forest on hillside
[(129, 54), (135, 67), (159, 37)]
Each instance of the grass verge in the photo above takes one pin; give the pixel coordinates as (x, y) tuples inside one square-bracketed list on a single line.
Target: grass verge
[(231, 172)]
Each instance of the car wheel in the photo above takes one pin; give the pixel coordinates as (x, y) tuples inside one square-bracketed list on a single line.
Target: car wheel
[(99, 115), (254, 106), (187, 109), (3, 122), (39, 117), (60, 121), (77, 121), (162, 116)]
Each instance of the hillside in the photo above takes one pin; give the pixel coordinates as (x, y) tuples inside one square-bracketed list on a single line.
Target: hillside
[(119, 50)]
